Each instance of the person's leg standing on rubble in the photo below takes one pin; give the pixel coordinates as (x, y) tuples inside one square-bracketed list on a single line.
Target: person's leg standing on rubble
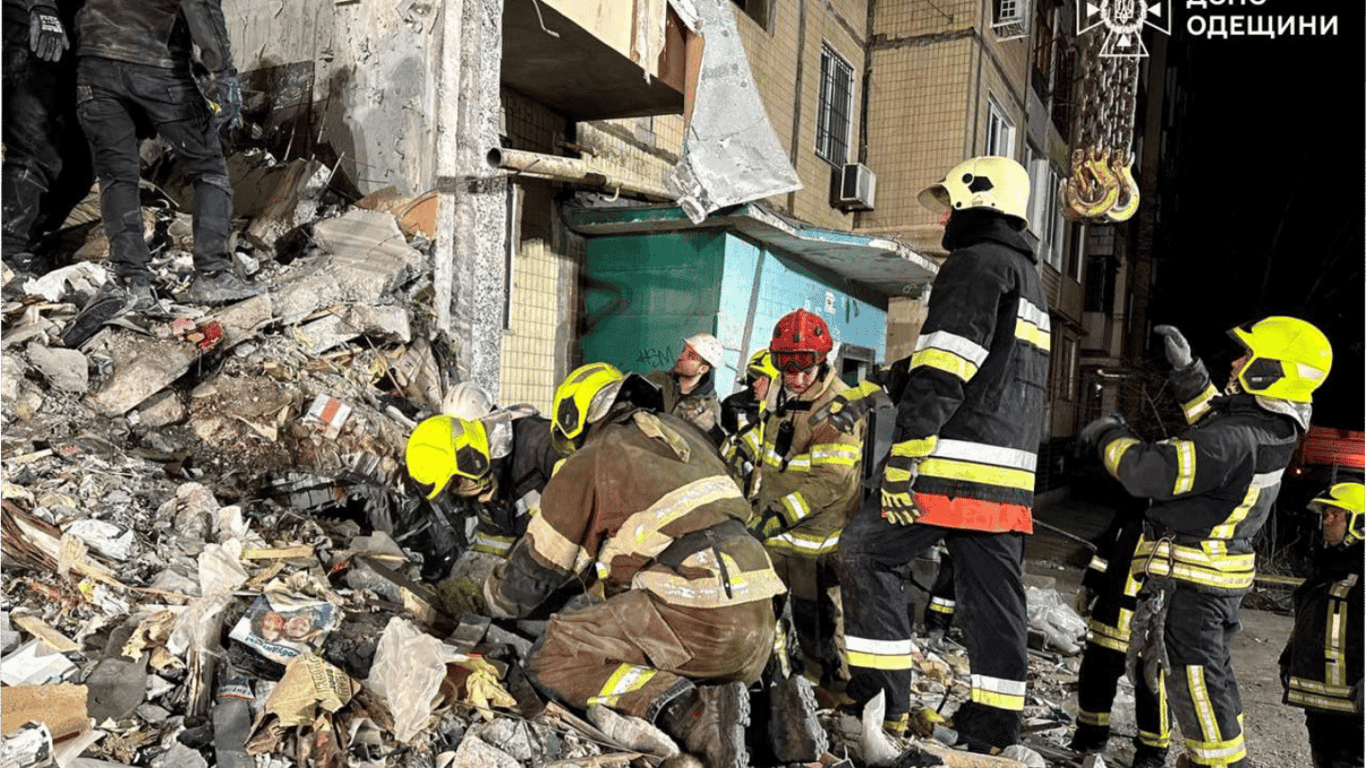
[(962, 461), (126, 75)]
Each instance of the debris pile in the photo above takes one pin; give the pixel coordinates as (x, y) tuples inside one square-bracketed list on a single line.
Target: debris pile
[(211, 556)]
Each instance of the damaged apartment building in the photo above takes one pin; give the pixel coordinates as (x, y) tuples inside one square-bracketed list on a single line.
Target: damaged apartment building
[(487, 191)]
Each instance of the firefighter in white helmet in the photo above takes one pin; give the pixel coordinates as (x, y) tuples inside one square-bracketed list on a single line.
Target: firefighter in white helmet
[(690, 386)]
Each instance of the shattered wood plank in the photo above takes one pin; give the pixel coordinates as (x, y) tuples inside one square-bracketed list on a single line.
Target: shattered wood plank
[(279, 553), (43, 631), (40, 545)]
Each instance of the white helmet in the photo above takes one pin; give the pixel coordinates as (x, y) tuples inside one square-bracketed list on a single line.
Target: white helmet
[(997, 183), (707, 347), (467, 400)]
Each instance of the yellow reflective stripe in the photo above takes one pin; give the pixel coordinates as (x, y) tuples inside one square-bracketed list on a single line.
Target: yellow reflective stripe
[(985, 453), (710, 592), (941, 605), (1093, 718), (1034, 314), (974, 472), (998, 692), (1323, 689), (872, 661), (493, 545), (839, 454), (947, 362), (951, 342), (1160, 740), (1320, 702), (795, 508), (1196, 408), (1185, 466), (915, 449), (799, 463), (896, 475), (551, 545), (804, 544), (1225, 529), (1204, 708), (641, 533), (1114, 452), (1098, 564), (1193, 564), (1217, 753), (626, 678), (1032, 334)]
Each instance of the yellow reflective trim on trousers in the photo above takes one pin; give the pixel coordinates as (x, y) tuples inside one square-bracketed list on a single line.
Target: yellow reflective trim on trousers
[(1185, 466), (1225, 529), (626, 678), (1093, 718), (937, 608), (1217, 754), (986, 474), (1114, 452), (998, 692), (1098, 564), (998, 700), (552, 545), (1161, 741), (947, 362), (878, 661), (1032, 334), (1204, 708), (1196, 408), (915, 449)]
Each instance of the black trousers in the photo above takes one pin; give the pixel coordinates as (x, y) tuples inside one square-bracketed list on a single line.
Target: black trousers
[(47, 164), (942, 603), (1203, 690), (112, 98), (989, 584), (1334, 739)]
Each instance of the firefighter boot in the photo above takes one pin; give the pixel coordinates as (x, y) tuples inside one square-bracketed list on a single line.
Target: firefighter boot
[(795, 733), (1148, 756), (710, 722), (982, 728), (1090, 738)]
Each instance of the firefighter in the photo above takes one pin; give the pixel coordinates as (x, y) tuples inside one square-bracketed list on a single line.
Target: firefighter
[(1211, 491), (690, 386), (1109, 599), (46, 164), (644, 510), (1322, 660), (742, 419), (134, 68), (961, 464), (810, 484)]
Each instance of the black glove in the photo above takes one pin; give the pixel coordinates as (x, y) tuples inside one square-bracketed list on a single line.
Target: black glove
[(46, 36), (1178, 349), (1090, 434), (851, 405), (227, 101), (772, 522)]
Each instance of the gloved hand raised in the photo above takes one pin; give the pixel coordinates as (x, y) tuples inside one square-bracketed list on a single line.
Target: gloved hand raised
[(46, 36), (227, 101), (1090, 434), (1178, 349), (851, 405), (898, 497)]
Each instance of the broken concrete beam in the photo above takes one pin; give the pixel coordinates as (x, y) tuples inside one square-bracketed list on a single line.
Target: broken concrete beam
[(387, 322), (64, 369), (294, 201), (366, 257)]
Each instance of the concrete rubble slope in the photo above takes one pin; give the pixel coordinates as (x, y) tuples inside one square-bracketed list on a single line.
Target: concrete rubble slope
[(210, 555)]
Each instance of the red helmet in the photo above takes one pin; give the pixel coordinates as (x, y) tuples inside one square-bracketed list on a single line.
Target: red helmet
[(801, 341)]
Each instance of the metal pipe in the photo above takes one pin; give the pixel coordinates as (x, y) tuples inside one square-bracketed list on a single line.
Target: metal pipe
[(573, 170)]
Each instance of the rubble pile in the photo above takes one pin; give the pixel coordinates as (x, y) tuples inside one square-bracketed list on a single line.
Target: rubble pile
[(210, 554)]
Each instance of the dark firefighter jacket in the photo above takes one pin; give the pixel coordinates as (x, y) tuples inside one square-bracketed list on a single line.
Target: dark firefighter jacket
[(700, 407), (973, 399), (641, 482), (521, 477), (1324, 653), (1212, 488), (157, 33)]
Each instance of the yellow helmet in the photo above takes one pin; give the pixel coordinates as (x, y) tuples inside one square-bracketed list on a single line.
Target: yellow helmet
[(998, 183), (1351, 498), (585, 396), (1289, 358), (445, 447), (761, 364)]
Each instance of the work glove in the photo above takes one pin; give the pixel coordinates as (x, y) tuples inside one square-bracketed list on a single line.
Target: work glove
[(1089, 436), (227, 101), (1178, 349), (46, 36), (1086, 601), (770, 523), (898, 498), (850, 406)]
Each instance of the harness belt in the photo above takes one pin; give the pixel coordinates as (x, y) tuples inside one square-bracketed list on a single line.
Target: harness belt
[(688, 544)]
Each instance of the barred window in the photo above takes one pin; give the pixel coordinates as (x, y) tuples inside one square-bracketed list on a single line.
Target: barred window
[(837, 99)]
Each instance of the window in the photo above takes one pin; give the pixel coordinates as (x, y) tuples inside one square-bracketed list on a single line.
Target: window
[(1000, 131), (837, 99), (1076, 249), (1008, 19), (755, 9), (1045, 220), (1044, 42)]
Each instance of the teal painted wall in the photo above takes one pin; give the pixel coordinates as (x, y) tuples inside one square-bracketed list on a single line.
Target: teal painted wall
[(643, 294)]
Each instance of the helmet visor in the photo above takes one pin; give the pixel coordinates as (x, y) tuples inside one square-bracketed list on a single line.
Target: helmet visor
[(798, 361)]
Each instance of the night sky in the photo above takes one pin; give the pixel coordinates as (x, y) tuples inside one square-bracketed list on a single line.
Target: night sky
[(1268, 217)]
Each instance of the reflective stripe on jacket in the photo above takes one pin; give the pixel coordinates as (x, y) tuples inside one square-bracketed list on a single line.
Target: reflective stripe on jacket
[(1324, 652)]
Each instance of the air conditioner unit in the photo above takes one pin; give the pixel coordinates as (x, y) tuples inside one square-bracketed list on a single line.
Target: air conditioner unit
[(858, 188)]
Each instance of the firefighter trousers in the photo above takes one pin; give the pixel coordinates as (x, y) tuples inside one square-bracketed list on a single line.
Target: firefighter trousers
[(806, 558), (1335, 739), (1097, 679), (939, 610), (1203, 691), (989, 584), (635, 653)]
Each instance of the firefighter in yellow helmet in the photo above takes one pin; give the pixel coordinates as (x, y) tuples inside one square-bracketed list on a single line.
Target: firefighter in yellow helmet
[(1321, 666), (644, 510), (742, 419), (1211, 490)]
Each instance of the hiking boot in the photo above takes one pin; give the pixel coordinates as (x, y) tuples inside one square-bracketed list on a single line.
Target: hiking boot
[(115, 299), (795, 733), (710, 722), (1147, 756), (224, 287), (1090, 738)]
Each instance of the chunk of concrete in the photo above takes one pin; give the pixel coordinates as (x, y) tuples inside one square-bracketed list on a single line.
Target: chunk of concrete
[(161, 410), (65, 369), (476, 753), (294, 201), (387, 322)]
